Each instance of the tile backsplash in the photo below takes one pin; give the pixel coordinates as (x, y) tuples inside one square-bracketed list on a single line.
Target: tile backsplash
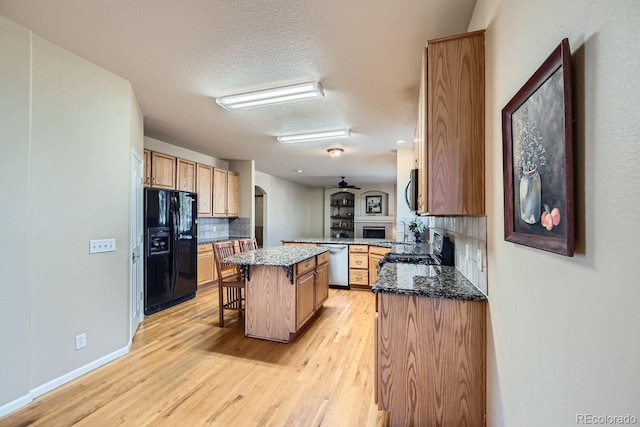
[(223, 228), (462, 231)]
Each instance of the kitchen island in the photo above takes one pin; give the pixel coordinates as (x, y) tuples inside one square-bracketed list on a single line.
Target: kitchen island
[(286, 287)]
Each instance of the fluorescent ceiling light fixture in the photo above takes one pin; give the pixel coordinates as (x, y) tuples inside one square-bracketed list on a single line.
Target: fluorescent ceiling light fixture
[(333, 134), (274, 95)]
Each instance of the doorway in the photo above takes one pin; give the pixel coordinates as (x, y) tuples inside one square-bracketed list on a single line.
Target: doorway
[(260, 216)]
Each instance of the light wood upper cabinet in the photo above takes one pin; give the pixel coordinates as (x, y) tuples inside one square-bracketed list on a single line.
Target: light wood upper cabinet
[(163, 171), (225, 193), (233, 190), (147, 168), (453, 174), (204, 188), (186, 175)]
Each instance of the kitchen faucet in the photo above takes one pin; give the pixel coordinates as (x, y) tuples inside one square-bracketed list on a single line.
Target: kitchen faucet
[(404, 231)]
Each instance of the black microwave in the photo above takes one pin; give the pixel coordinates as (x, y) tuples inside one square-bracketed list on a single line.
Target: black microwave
[(411, 191)]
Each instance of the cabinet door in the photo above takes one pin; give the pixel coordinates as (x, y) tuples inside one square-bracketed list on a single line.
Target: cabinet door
[(421, 140), (219, 192), (205, 267), (233, 188), (186, 175), (163, 171), (373, 268), (204, 189), (305, 294), (455, 126), (322, 284), (147, 168)]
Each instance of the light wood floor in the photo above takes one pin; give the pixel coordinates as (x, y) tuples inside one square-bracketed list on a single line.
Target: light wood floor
[(183, 370)]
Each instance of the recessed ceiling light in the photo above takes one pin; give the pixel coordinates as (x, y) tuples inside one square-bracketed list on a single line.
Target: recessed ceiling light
[(299, 171), (400, 141), (274, 95), (335, 152), (315, 136)]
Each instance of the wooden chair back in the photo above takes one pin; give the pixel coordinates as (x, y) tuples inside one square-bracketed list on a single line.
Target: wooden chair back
[(222, 250), (247, 245)]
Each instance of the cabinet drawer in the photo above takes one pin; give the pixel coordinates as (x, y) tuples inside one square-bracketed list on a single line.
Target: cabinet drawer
[(304, 266), (358, 248), (358, 260), (322, 258), (205, 248), (358, 277)]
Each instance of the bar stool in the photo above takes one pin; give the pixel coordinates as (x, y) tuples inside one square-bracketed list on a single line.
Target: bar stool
[(231, 282), (247, 245)]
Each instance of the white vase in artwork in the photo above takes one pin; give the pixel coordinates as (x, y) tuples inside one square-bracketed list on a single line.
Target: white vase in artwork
[(530, 197)]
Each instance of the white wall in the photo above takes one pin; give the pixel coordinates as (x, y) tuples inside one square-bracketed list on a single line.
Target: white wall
[(69, 150), (289, 208), (15, 69), (563, 332)]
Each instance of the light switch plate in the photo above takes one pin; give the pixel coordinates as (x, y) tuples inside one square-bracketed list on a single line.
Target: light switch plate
[(102, 245)]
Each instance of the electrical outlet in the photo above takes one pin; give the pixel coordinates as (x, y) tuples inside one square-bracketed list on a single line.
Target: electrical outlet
[(102, 245), (467, 252), (81, 341), (215, 228), (479, 259)]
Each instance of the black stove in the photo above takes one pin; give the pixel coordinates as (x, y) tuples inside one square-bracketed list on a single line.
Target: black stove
[(441, 254)]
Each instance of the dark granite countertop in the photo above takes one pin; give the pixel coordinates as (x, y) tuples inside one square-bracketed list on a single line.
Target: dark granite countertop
[(426, 280), (278, 256)]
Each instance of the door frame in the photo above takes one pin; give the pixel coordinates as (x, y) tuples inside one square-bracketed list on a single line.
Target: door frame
[(136, 221)]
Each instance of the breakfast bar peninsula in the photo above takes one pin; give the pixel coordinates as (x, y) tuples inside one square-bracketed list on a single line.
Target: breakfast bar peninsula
[(286, 286)]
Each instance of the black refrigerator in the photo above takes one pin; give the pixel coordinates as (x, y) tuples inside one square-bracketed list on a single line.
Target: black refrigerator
[(171, 244)]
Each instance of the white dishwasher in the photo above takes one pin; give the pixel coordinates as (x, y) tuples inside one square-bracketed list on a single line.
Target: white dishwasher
[(338, 264)]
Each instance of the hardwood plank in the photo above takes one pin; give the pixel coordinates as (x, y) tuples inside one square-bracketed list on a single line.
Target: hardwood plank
[(184, 370)]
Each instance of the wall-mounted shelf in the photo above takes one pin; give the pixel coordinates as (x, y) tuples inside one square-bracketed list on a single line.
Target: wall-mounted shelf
[(342, 214)]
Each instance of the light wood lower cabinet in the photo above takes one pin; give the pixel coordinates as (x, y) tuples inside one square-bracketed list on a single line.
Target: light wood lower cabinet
[(376, 253), (430, 360), (359, 266), (322, 282), (206, 264), (305, 295), (277, 310)]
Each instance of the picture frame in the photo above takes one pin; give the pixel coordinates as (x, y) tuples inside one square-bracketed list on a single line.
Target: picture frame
[(373, 204), (537, 139)]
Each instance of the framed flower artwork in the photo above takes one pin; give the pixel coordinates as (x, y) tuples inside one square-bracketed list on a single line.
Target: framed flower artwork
[(537, 142)]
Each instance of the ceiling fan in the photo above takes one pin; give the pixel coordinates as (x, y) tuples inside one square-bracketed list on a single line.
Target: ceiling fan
[(344, 184)]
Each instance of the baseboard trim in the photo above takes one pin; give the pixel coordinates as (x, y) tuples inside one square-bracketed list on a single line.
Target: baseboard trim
[(15, 404), (57, 382)]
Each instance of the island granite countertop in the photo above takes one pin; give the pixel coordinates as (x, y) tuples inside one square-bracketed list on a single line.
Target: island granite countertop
[(395, 246), (277, 256), (431, 281)]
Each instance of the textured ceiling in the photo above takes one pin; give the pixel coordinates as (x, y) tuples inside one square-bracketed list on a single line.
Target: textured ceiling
[(180, 55)]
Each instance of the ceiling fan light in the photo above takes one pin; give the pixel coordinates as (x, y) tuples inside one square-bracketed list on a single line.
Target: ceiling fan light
[(315, 136), (276, 95), (335, 152)]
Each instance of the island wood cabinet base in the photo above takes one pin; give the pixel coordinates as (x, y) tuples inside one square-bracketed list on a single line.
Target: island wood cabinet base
[(277, 310), (430, 360)]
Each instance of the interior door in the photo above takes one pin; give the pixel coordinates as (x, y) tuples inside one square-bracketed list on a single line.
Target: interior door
[(137, 239)]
